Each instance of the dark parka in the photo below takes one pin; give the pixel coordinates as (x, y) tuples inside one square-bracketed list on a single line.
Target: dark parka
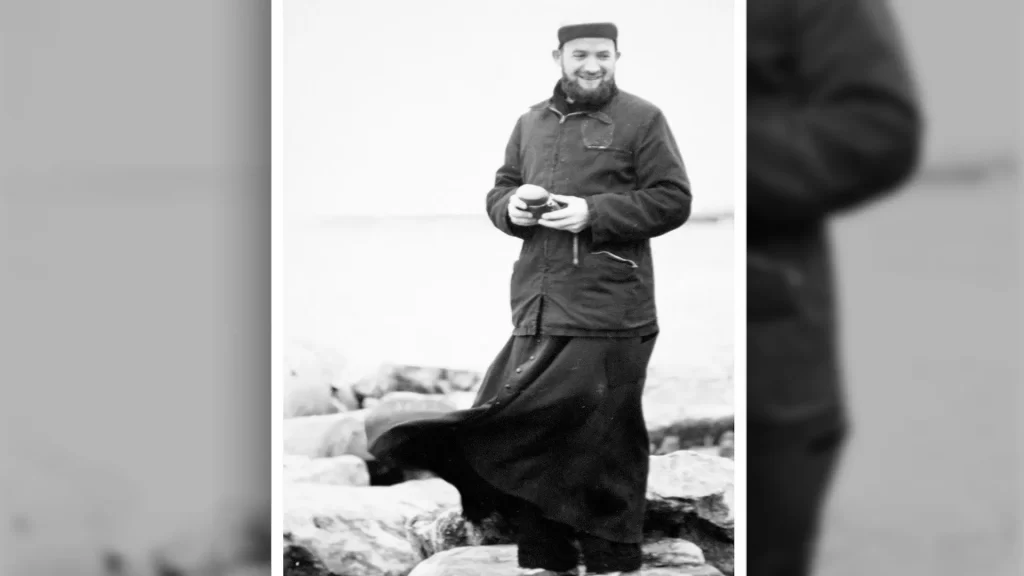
[(622, 158), (558, 420)]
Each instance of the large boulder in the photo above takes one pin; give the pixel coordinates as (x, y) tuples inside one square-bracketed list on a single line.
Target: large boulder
[(328, 435), (312, 382), (691, 483), (344, 470), (661, 558), (690, 495), (356, 531)]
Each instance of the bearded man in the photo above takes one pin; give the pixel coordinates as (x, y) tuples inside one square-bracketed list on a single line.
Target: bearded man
[(556, 439)]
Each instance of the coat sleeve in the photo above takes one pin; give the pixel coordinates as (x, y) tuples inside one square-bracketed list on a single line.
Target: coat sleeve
[(856, 131), (507, 180), (661, 202)]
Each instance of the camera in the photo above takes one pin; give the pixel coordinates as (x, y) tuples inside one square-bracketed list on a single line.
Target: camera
[(549, 206)]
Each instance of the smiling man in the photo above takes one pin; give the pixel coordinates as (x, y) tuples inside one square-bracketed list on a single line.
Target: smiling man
[(556, 440)]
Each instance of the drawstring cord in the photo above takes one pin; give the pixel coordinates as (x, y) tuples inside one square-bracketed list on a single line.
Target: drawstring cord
[(575, 250)]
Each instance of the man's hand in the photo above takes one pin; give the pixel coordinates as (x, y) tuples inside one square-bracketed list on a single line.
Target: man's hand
[(573, 218), (517, 212)]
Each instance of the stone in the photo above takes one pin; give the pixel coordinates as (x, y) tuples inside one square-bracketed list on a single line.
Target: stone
[(687, 482), (421, 379), (668, 445), (437, 531), (697, 410), (415, 402), (311, 383), (727, 447), (661, 558), (344, 470), (355, 530), (462, 400), (685, 490), (328, 435)]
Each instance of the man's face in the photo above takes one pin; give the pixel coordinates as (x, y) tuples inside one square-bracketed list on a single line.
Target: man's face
[(588, 68)]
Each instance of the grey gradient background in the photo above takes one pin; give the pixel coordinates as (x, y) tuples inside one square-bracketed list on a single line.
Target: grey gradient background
[(135, 293), (135, 179)]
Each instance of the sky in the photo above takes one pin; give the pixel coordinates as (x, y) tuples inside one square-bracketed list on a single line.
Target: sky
[(406, 108)]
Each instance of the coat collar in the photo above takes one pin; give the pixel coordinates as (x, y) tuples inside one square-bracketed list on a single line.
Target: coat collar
[(558, 104)]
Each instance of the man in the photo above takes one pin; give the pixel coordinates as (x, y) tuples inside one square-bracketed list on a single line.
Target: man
[(556, 439), (832, 122)]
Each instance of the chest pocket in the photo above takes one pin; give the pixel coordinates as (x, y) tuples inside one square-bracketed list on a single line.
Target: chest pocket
[(598, 135)]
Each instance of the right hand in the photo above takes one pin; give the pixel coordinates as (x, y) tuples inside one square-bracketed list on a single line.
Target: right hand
[(517, 212)]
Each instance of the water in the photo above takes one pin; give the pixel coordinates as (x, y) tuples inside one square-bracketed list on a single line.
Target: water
[(434, 291)]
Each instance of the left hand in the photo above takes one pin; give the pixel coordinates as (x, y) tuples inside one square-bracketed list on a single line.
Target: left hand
[(573, 218)]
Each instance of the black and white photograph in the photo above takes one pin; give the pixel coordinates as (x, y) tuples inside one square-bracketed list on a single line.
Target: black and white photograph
[(509, 298)]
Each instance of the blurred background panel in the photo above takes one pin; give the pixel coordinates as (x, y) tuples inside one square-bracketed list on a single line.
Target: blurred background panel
[(135, 203), (932, 311)]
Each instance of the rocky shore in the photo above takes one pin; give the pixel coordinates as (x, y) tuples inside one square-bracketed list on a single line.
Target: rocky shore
[(346, 515)]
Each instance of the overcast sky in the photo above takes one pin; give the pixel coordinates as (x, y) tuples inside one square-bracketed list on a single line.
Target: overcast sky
[(407, 107)]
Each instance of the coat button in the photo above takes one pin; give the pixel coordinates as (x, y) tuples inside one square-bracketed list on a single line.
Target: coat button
[(518, 370), (532, 357), (508, 386)]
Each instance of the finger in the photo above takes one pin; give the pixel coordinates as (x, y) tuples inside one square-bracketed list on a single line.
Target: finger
[(523, 222), (556, 215), (517, 202), (516, 213)]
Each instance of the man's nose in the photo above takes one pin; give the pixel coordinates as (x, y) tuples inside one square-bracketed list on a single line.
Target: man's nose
[(591, 66)]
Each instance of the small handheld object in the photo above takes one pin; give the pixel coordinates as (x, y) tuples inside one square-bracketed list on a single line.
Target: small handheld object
[(538, 201), (549, 206)]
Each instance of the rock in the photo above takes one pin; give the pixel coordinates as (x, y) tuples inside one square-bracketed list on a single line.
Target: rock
[(326, 436), (357, 531), (685, 491), (344, 470), (727, 448), (660, 559), (301, 561), (424, 380), (462, 400), (718, 551), (668, 552), (311, 383), (464, 380), (415, 402), (437, 531), (687, 482), (668, 445), (697, 410), (409, 474), (691, 426)]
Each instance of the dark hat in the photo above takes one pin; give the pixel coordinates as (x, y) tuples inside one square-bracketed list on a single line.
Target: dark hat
[(594, 30)]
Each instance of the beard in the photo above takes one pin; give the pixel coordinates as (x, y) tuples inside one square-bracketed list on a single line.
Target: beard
[(596, 97)]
